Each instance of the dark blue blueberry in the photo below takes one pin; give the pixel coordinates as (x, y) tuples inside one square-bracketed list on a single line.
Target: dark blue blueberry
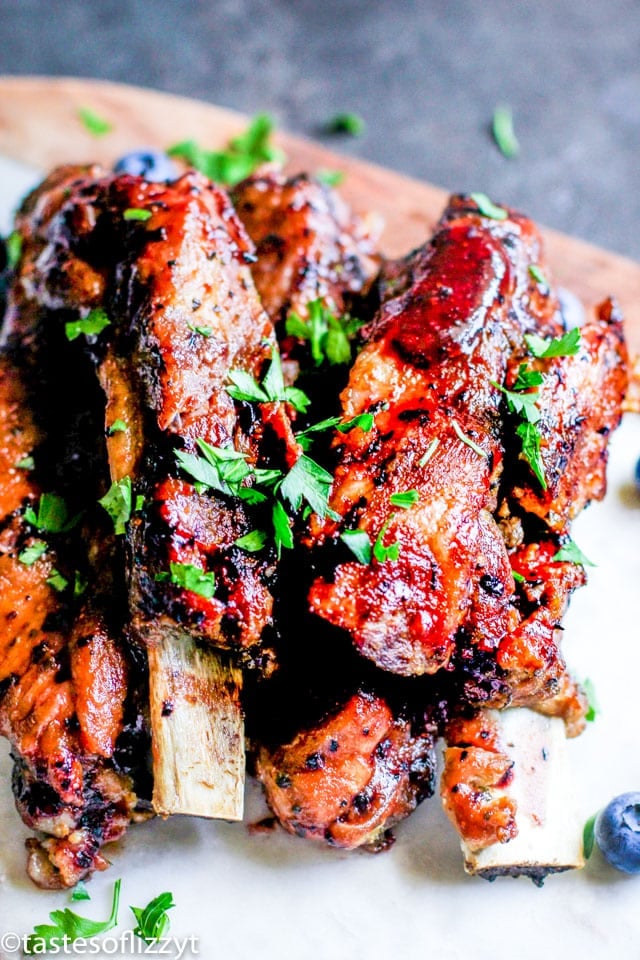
[(617, 832), (637, 474), (151, 164)]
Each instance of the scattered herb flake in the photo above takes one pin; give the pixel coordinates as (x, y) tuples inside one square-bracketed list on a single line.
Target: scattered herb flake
[(243, 155), (117, 502), (13, 247), (572, 553), (382, 553), (66, 923), (465, 439), (189, 577), (253, 541), (52, 515), (332, 178), (429, 452), (350, 123), (503, 132), (518, 577), (153, 920), (93, 324), (530, 437), (305, 438), (588, 836), (140, 502), (359, 543), (565, 346), (137, 213), (487, 208), (364, 422), (308, 481), (57, 581), (198, 328), (27, 463), (536, 273), (282, 534), (404, 499), (80, 584), (594, 707), (32, 553), (329, 336), (118, 426), (272, 390), (80, 892), (96, 125)]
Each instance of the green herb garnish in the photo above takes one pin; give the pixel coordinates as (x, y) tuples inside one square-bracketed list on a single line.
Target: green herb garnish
[(589, 835), (93, 324), (252, 542), (153, 920), (503, 132), (382, 553), (364, 421), (522, 401), (350, 123), (95, 124), (518, 577), (27, 463), (536, 273), (117, 502), (66, 923), (429, 452), (57, 581), (572, 553), (332, 178), (310, 482), (118, 426), (243, 155), (52, 515), (282, 534), (80, 584), (137, 213), (404, 499), (465, 439), (329, 336), (32, 553), (13, 247), (565, 346), (594, 707), (487, 208), (189, 577), (198, 328), (359, 543), (530, 438), (272, 389), (80, 892)]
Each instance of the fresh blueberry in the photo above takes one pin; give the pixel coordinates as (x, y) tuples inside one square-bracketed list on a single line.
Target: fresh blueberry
[(617, 832), (637, 475), (151, 164)]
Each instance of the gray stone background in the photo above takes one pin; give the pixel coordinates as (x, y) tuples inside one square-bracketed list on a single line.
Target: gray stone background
[(425, 76)]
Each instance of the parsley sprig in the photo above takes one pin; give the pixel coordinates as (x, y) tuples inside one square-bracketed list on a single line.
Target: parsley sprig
[(544, 348), (117, 501), (189, 577), (93, 324), (153, 920), (571, 553), (363, 420), (243, 155), (271, 390), (52, 515), (67, 924), (329, 336)]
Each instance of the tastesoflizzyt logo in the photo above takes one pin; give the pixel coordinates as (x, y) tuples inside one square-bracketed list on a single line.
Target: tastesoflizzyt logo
[(126, 944)]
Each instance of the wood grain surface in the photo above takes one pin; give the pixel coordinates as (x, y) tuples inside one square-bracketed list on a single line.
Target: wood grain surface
[(39, 125)]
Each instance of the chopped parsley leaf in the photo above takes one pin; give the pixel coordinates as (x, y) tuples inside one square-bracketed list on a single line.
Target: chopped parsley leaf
[(80, 892), (350, 123), (93, 324), (80, 584), (136, 213), (536, 274), (57, 581), (96, 125), (429, 452), (332, 178), (272, 389), (243, 155), (572, 553), (52, 515), (594, 708), (404, 499), (117, 502), (189, 577), (198, 328), (487, 208), (329, 336), (503, 132), (530, 437), (252, 542), (118, 426), (139, 504), (153, 920), (30, 554), (13, 247), (27, 463), (518, 577), (564, 346), (359, 543), (67, 924), (364, 421), (522, 401), (282, 534), (382, 553), (589, 836), (310, 482)]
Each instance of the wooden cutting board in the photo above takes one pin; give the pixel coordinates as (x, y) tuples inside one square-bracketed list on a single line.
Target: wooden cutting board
[(39, 125)]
